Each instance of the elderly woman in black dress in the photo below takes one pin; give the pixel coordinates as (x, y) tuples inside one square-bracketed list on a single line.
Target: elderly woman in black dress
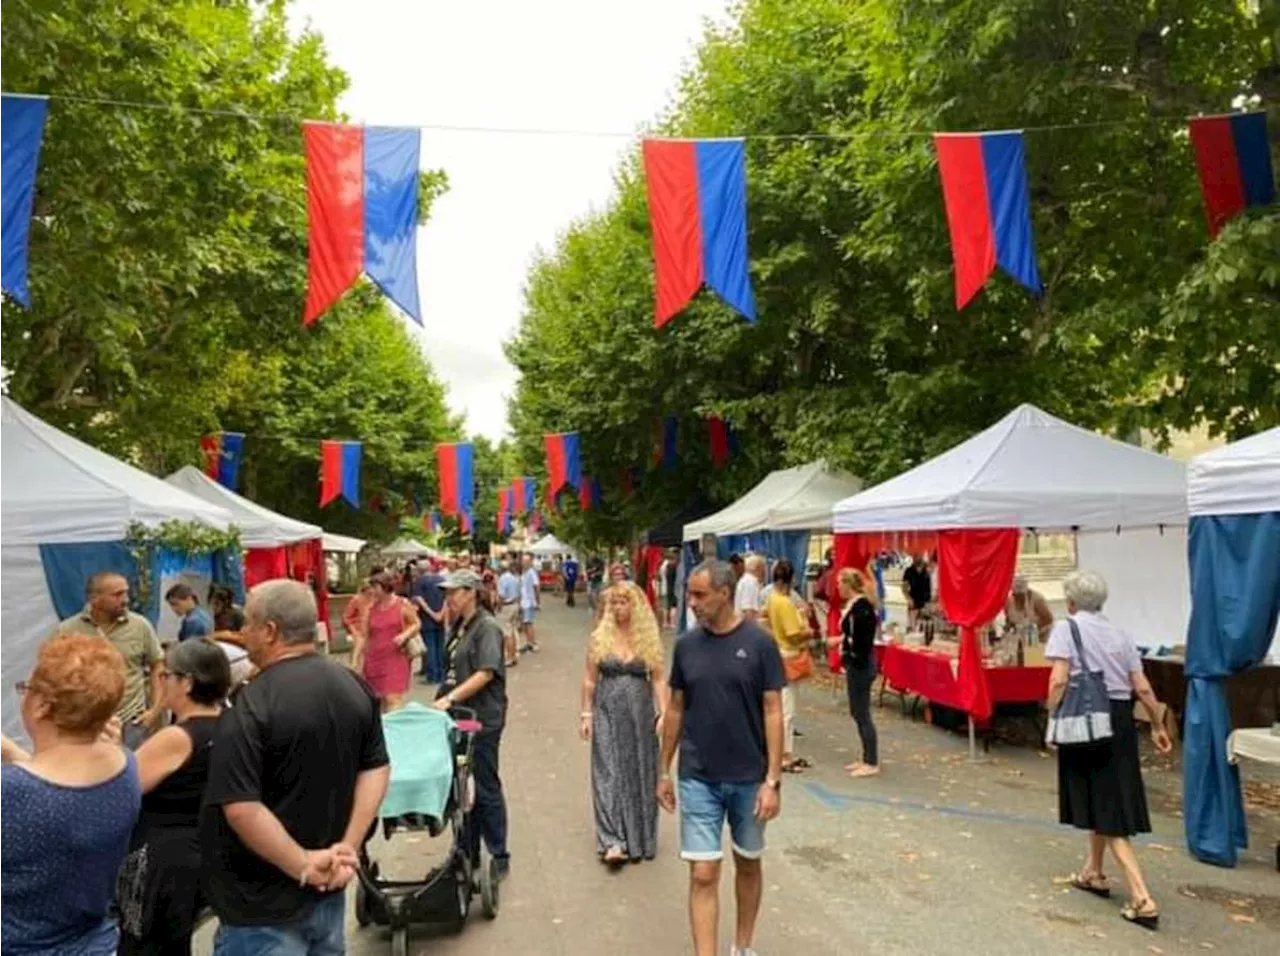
[(623, 698), (1100, 784)]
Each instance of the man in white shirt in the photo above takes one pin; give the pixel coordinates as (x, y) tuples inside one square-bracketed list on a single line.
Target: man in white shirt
[(746, 597), (530, 600), (509, 595)]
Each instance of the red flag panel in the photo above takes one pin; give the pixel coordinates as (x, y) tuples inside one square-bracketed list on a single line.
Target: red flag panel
[(671, 180), (964, 191), (1218, 168), (330, 471), (447, 465), (335, 213)]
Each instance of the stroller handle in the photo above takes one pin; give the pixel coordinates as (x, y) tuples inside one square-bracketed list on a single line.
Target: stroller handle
[(465, 719)]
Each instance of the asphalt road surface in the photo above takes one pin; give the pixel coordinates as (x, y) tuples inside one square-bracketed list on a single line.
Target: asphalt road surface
[(937, 855)]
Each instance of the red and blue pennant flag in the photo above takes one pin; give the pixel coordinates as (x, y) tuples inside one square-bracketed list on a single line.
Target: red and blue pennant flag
[(21, 132), (456, 464), (466, 523), (223, 452), (723, 441), (564, 462), (524, 495), (984, 187), (667, 452), (431, 521), (504, 511), (698, 212), (1233, 159), (362, 213), (589, 494), (535, 521), (340, 472)]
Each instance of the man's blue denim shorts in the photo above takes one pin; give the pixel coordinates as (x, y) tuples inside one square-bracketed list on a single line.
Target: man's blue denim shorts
[(705, 806)]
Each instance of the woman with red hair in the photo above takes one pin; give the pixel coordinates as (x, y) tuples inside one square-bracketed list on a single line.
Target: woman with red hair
[(70, 804)]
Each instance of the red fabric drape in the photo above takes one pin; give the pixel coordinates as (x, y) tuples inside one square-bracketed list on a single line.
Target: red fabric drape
[(976, 568), (264, 564), (652, 558)]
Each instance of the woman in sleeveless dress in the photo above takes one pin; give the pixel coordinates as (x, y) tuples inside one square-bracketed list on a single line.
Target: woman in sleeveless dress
[(158, 890), (389, 621), (623, 696)]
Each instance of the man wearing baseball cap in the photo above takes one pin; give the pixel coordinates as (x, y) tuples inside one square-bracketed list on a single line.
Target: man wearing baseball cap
[(476, 677)]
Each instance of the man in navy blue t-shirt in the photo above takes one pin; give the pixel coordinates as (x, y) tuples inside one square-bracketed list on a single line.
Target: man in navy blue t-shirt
[(725, 715)]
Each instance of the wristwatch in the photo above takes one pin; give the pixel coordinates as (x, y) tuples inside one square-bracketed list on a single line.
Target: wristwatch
[(773, 784)]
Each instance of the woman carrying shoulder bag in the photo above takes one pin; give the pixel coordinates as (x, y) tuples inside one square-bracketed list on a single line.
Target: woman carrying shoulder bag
[(1099, 773)]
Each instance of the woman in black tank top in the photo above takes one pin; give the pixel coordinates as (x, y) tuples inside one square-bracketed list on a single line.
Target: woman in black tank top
[(158, 890)]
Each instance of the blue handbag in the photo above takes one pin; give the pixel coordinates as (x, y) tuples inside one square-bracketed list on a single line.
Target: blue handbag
[(1084, 713)]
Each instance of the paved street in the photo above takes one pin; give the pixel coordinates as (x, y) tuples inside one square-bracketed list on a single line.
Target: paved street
[(935, 856)]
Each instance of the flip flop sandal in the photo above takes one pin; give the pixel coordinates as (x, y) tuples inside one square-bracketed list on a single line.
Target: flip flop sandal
[(1095, 885), (1133, 914), (792, 767), (802, 763)]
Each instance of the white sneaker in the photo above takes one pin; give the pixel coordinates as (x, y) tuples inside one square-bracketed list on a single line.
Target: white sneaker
[(735, 951)]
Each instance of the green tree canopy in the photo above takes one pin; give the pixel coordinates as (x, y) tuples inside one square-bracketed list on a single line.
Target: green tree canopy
[(860, 355)]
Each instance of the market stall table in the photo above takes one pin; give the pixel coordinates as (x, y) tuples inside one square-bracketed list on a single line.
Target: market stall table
[(931, 675), (1256, 743)]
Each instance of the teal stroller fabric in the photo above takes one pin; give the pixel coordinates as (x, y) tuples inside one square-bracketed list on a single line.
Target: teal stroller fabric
[(420, 745)]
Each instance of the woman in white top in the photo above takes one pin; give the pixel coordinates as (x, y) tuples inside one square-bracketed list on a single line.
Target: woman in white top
[(1100, 784)]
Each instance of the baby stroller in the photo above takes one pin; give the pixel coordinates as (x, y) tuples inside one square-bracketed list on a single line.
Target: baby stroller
[(431, 790)]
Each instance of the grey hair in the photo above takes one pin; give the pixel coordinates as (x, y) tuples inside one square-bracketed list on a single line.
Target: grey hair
[(755, 561), (289, 605), (720, 572), (1087, 590)]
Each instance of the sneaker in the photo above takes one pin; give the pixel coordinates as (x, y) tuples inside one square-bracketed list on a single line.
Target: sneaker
[(502, 867)]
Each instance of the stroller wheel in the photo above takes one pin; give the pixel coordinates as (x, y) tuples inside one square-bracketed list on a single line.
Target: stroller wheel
[(362, 906), (463, 894), (400, 941), (489, 888)]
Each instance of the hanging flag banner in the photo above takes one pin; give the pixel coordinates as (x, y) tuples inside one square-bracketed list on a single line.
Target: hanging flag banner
[(431, 521), (524, 493), (504, 510), (698, 213), (456, 464), (466, 523), (723, 441), (340, 472), (984, 188), (564, 462), (21, 132), (667, 452), (589, 494), (223, 452), (1233, 160), (535, 521), (362, 213)]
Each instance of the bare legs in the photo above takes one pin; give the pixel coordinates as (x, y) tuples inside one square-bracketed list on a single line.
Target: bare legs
[(704, 902), (1093, 862), (1126, 859)]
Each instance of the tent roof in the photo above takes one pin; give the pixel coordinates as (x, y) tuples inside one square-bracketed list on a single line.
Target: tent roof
[(259, 527), (1028, 470), (57, 489), (1242, 478), (405, 547), (793, 499), (342, 543), (549, 544)]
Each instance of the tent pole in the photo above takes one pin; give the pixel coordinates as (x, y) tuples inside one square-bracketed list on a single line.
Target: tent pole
[(973, 745)]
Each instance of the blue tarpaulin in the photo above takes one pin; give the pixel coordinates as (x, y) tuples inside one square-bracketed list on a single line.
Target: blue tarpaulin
[(1235, 599), (67, 568)]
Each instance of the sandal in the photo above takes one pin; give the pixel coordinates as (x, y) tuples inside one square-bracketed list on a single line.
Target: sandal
[(866, 770), (792, 766), (614, 856), (1134, 913), (802, 763), (1095, 884)]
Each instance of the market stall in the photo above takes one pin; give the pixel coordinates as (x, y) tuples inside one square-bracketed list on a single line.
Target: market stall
[(1030, 471), (654, 543), (776, 517), (276, 546), (67, 512), (1234, 501)]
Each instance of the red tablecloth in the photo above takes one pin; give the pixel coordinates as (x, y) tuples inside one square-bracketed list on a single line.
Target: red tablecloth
[(929, 674)]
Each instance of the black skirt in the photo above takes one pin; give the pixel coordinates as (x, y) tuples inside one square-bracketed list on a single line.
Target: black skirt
[(1100, 785)]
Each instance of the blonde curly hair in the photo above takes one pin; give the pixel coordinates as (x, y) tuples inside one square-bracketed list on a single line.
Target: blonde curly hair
[(644, 627)]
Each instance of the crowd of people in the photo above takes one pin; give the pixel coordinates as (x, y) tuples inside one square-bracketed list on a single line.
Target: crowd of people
[(163, 781)]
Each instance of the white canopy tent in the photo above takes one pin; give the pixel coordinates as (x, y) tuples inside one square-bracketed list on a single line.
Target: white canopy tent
[(342, 544), (793, 499), (405, 548), (549, 545), (259, 527), (1031, 470), (55, 489)]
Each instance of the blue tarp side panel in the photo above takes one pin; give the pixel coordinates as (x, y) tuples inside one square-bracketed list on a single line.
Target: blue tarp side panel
[(792, 545), (1235, 600), (690, 557), (228, 569), (68, 567)]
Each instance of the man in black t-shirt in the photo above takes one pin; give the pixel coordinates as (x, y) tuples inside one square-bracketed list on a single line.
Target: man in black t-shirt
[(298, 771), (917, 588), (725, 715)]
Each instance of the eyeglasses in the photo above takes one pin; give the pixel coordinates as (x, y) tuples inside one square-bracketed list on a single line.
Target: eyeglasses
[(22, 687)]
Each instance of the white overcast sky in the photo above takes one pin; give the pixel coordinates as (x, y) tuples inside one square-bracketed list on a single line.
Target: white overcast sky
[(587, 65)]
